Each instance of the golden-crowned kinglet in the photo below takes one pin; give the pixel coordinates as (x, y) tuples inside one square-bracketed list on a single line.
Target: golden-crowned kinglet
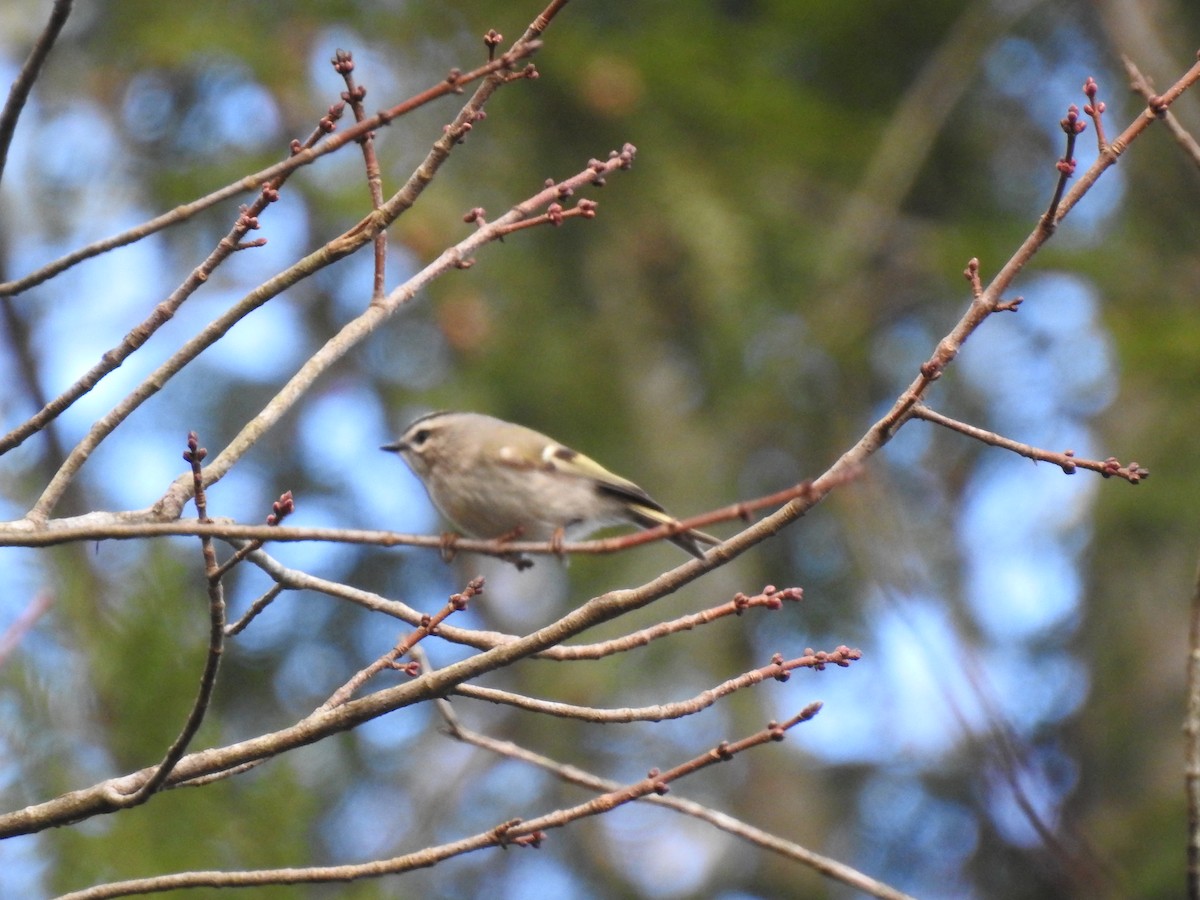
[(490, 478)]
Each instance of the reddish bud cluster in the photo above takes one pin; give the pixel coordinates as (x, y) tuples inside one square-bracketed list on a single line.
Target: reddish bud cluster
[(194, 453), (343, 62), (281, 508), (625, 155), (1071, 124), (1091, 88)]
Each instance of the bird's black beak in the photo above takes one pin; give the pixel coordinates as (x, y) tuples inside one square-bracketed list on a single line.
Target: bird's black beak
[(395, 447)]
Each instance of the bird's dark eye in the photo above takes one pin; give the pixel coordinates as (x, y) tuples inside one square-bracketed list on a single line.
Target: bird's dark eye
[(420, 437)]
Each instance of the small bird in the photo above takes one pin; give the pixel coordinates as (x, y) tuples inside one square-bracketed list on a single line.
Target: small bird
[(492, 478)]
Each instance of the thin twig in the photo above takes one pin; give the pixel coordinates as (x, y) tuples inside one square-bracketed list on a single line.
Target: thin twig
[(261, 602), (779, 669), (770, 599), (216, 644), (280, 510), (343, 64), (1067, 460), (1095, 110), (1072, 128), (429, 625)]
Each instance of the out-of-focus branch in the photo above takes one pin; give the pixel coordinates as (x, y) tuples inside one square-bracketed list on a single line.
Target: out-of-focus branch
[(20, 626), (902, 149), (1191, 731), (19, 92), (1144, 86)]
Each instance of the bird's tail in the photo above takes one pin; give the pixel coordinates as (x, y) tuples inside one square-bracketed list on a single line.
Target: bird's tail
[(689, 540)]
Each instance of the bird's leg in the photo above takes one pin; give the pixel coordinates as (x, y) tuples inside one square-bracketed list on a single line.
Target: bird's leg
[(556, 542), (449, 546), (520, 560)]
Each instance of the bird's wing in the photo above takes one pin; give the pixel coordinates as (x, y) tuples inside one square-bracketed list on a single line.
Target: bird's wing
[(574, 464)]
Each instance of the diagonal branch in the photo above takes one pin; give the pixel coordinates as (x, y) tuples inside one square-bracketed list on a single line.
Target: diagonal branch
[(164, 311), (359, 328), (358, 236)]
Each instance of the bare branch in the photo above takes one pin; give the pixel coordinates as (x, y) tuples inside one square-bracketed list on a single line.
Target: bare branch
[(779, 669), (770, 599), (1067, 460), (513, 833), (574, 775), (254, 181), (355, 331)]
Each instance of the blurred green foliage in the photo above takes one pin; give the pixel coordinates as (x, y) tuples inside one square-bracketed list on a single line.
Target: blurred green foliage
[(749, 298)]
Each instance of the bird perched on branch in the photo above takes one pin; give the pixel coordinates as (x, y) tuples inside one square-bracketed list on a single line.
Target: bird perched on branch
[(492, 478)]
